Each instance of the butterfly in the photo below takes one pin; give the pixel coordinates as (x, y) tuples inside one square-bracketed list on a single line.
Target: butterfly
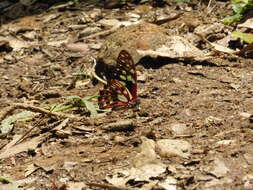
[(121, 89)]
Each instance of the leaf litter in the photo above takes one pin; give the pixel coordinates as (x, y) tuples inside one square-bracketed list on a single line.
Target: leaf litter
[(174, 91)]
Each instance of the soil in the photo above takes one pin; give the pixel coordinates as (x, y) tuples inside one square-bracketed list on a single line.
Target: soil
[(213, 101)]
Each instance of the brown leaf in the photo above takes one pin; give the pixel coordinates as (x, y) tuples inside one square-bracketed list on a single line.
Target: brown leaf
[(10, 150)]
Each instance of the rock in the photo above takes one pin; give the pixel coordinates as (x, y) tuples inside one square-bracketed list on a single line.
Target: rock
[(109, 22), (137, 36), (122, 125), (249, 158), (178, 129), (146, 153), (170, 148), (78, 47), (248, 181), (219, 168)]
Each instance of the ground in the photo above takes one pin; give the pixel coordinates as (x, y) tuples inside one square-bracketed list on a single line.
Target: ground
[(208, 104)]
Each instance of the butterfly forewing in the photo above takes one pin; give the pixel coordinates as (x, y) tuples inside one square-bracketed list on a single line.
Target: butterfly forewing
[(125, 67)]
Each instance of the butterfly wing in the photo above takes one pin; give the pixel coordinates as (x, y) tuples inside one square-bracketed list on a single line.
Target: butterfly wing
[(121, 90), (126, 72), (114, 94)]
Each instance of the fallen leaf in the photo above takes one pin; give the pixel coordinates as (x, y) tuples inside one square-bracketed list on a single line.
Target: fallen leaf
[(15, 43), (109, 22), (145, 166), (247, 24), (176, 47), (221, 48), (219, 168), (15, 149), (7, 124)]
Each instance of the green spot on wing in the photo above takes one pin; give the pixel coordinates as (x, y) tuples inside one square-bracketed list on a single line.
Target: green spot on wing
[(122, 77), (122, 98), (129, 78)]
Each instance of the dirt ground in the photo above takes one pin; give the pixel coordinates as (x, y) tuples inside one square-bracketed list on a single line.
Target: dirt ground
[(207, 105)]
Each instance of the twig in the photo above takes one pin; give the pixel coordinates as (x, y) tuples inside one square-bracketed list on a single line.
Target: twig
[(107, 186), (26, 134), (38, 110), (103, 33), (168, 19), (209, 4)]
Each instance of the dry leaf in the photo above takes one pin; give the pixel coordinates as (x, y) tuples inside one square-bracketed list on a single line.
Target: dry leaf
[(10, 150), (176, 47), (15, 43), (146, 165), (247, 24)]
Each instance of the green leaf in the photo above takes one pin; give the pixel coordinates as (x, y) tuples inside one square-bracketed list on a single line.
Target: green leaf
[(9, 181), (86, 103), (7, 124), (239, 7), (246, 37), (232, 19), (92, 109)]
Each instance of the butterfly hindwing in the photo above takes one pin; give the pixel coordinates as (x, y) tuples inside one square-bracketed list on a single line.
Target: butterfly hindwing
[(114, 94), (122, 89)]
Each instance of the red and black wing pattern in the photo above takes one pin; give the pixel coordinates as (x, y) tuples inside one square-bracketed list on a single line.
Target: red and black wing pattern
[(122, 89)]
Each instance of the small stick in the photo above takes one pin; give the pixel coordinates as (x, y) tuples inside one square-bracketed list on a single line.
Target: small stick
[(26, 134), (107, 186), (103, 33)]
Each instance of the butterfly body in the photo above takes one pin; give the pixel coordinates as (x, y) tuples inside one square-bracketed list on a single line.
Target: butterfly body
[(121, 90)]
